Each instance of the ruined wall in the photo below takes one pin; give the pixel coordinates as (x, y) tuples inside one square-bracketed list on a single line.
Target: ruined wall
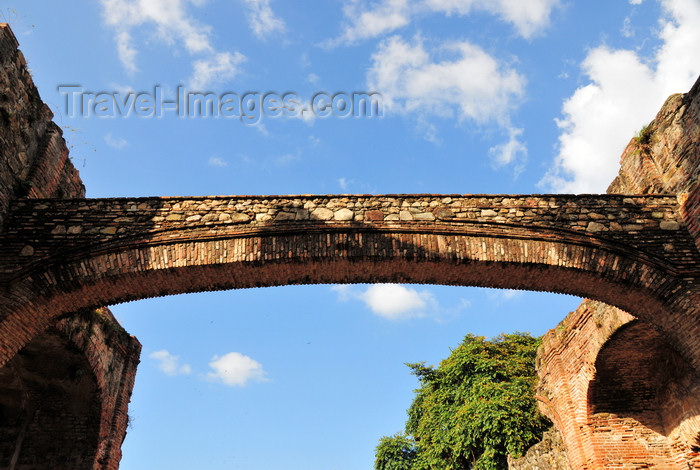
[(621, 395), (548, 454), (34, 159), (665, 157), (64, 396), (113, 356)]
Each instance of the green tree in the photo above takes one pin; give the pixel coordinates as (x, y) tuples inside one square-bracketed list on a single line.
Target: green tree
[(397, 452), (472, 411)]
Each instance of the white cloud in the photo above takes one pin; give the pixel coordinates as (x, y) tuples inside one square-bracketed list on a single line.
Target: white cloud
[(527, 16), (169, 363), (236, 370), (217, 68), (627, 30), (170, 22), (126, 51), (470, 84), (349, 185), (383, 17), (262, 20), (306, 113), (391, 301), (313, 78), (115, 142), (218, 162), (287, 159), (624, 93), (364, 20), (395, 302), (513, 150)]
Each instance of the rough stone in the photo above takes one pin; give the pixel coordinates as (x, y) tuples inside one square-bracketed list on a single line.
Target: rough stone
[(669, 225), (322, 213), (344, 214), (424, 216), (595, 227)]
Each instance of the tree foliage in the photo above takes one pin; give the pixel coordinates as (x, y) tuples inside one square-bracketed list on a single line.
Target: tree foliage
[(472, 410), (397, 452)]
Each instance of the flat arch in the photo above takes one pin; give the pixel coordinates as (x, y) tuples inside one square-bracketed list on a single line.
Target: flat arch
[(503, 256)]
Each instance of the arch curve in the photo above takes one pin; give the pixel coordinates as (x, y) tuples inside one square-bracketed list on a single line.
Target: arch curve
[(99, 252)]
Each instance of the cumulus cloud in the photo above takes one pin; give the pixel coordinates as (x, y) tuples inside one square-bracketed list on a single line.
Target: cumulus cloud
[(624, 92), (172, 24), (368, 20), (262, 20), (169, 363), (468, 84), (236, 370), (391, 301)]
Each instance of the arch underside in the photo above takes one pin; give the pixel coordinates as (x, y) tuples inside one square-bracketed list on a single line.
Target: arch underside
[(649, 395), (49, 407), (173, 263)]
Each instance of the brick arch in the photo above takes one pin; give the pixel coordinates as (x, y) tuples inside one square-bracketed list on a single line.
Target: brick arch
[(49, 406), (648, 394), (61, 405), (131, 249)]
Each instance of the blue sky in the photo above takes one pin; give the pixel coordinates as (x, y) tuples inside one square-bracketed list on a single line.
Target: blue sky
[(479, 96)]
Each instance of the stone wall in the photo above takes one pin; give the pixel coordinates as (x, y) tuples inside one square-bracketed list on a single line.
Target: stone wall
[(39, 229), (548, 454)]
